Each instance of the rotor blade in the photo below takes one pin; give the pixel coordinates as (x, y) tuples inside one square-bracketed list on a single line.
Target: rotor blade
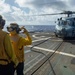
[(46, 14), (73, 12), (68, 12), (64, 12)]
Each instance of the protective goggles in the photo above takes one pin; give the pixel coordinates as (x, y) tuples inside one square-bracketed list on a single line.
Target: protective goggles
[(10, 29)]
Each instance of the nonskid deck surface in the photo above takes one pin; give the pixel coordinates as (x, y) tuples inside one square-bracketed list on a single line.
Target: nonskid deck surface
[(53, 56)]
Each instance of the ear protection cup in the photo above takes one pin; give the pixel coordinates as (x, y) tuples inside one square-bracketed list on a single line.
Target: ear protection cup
[(3, 22), (18, 29)]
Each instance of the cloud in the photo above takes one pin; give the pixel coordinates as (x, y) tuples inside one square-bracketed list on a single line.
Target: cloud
[(18, 10), (18, 13), (9, 17), (4, 8), (41, 7), (72, 2), (55, 4)]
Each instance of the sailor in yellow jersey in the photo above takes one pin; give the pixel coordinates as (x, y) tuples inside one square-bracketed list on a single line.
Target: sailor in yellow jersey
[(7, 54), (18, 43)]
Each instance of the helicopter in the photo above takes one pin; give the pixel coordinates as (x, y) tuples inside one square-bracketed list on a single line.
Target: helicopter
[(65, 26)]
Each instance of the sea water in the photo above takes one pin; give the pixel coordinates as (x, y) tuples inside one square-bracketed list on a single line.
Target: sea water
[(37, 28)]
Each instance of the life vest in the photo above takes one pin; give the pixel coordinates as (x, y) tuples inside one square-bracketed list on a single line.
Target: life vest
[(4, 59), (18, 49)]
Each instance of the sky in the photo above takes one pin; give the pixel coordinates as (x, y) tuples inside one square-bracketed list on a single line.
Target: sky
[(19, 11)]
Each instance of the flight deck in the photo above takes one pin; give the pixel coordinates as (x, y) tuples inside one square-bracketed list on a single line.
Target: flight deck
[(49, 55)]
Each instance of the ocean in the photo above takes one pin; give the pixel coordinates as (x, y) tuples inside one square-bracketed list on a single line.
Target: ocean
[(37, 28)]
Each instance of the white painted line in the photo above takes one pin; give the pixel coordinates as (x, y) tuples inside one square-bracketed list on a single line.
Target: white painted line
[(39, 36), (35, 36), (42, 36), (62, 53), (33, 64), (41, 39), (33, 59), (56, 40), (27, 51)]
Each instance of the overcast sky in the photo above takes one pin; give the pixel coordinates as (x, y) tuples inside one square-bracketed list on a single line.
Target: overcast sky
[(17, 10)]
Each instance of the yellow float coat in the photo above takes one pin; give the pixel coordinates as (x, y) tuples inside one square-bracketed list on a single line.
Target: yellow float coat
[(18, 43), (6, 50)]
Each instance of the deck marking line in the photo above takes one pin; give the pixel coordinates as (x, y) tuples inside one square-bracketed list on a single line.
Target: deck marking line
[(41, 39), (58, 52)]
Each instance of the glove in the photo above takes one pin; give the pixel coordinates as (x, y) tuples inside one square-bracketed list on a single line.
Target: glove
[(24, 30)]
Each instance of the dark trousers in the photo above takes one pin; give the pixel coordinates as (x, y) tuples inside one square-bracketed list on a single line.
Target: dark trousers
[(20, 68), (7, 69)]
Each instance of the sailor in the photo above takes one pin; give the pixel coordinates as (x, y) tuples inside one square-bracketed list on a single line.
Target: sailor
[(18, 43), (7, 55)]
